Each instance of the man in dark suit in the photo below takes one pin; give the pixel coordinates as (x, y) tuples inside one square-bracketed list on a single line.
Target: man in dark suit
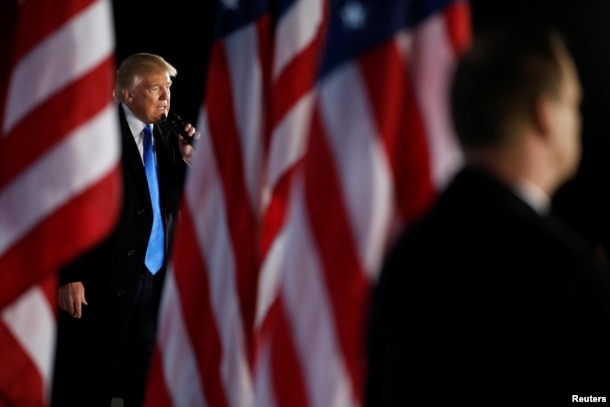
[(109, 297), (489, 300)]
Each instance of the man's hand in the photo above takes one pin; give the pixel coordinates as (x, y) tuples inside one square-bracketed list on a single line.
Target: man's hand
[(185, 148), (71, 298)]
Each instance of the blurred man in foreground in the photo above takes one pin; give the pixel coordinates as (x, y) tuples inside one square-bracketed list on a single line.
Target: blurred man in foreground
[(489, 300)]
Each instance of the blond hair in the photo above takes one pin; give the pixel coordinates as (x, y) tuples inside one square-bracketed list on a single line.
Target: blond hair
[(133, 67)]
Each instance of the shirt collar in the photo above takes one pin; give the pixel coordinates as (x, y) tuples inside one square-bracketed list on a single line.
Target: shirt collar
[(533, 195), (135, 125)]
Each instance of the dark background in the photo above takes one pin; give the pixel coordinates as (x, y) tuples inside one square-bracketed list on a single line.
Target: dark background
[(583, 202), (178, 30), (181, 31)]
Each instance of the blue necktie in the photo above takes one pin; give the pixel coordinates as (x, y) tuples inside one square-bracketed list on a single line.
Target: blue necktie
[(156, 242)]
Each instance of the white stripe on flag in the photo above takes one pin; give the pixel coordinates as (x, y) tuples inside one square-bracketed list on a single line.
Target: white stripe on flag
[(247, 88), (34, 79), (296, 30), (309, 311), (42, 188), (32, 321), (361, 163), (264, 395), (205, 199), (179, 361), (289, 139), (432, 65)]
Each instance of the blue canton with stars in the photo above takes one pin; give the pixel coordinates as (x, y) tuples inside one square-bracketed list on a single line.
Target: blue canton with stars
[(235, 14), (355, 26), (358, 26)]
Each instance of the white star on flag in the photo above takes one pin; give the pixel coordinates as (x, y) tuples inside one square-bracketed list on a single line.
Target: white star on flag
[(353, 15), (230, 4)]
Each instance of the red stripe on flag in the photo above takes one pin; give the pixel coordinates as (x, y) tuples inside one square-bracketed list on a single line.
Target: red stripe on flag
[(191, 273), (401, 128), (32, 253), (297, 79), (264, 52), (457, 18), (20, 381), (76, 99), (241, 217), (289, 383), (79, 219), (275, 214), (157, 394), (344, 275), (39, 19)]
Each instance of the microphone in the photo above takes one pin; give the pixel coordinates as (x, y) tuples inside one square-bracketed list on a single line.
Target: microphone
[(174, 123)]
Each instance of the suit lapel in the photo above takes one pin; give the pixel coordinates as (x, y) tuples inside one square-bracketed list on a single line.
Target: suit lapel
[(132, 160)]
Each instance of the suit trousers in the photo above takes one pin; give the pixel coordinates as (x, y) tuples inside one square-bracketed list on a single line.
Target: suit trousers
[(99, 358), (140, 340)]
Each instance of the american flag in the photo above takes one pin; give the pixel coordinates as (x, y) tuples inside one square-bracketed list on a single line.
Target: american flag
[(59, 173), (204, 352), (325, 131)]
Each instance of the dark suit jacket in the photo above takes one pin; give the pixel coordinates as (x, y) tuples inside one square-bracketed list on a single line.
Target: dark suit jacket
[(111, 270), (485, 302)]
